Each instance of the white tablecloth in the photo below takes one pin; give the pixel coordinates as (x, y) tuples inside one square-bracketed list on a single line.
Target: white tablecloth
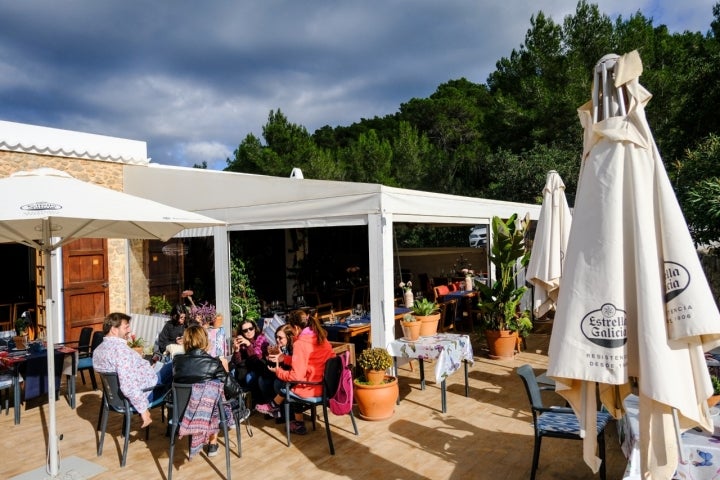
[(701, 449), (449, 349)]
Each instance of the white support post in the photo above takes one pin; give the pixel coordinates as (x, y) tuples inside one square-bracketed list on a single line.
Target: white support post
[(382, 302)]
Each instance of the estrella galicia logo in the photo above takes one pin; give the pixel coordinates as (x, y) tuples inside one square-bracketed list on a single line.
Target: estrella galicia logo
[(606, 327), (41, 206), (677, 279)]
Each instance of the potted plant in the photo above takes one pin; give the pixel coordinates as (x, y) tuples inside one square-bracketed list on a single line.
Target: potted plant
[(410, 327), (159, 304), (715, 397), (376, 401), (21, 326), (500, 316), (428, 314), (136, 343), (21, 332)]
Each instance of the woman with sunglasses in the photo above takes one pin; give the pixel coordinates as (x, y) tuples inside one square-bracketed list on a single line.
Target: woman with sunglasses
[(248, 359), (311, 350)]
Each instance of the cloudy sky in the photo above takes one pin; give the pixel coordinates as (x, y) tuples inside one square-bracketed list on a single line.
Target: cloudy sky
[(192, 79)]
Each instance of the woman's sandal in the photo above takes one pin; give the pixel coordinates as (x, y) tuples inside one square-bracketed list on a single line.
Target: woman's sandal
[(298, 427)]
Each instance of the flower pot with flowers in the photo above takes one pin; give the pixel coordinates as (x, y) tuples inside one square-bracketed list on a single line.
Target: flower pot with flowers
[(375, 398), (468, 278), (428, 314), (407, 293), (136, 343)]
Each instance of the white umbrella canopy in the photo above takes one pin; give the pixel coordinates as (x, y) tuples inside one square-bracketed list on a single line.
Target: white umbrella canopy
[(71, 209), (635, 301), (45, 204), (548, 252)]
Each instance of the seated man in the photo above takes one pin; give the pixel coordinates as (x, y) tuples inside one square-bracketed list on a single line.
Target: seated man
[(135, 374)]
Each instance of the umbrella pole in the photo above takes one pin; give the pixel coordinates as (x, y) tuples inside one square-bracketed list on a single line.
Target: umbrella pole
[(678, 432), (53, 460)]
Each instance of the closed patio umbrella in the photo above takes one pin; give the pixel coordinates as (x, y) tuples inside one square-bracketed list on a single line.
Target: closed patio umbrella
[(635, 302), (46, 208), (548, 251)]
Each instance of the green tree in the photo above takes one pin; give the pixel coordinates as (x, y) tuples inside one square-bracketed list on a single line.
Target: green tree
[(244, 304), (369, 159), (696, 181)]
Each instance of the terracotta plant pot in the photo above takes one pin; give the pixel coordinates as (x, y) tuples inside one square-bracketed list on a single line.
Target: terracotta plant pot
[(375, 377), (140, 350), (713, 400), (429, 324), (411, 330), (377, 402), (20, 342), (501, 344)]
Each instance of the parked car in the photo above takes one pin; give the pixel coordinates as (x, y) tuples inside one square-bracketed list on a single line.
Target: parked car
[(478, 236)]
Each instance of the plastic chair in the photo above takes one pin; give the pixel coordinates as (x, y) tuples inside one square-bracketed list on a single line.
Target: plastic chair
[(114, 400), (440, 291), (181, 393), (329, 383), (557, 422), (6, 384), (85, 361)]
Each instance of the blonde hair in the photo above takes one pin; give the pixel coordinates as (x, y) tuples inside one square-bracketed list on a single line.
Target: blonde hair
[(194, 337)]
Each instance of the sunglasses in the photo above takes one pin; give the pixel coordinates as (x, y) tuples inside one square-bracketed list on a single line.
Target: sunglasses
[(249, 329)]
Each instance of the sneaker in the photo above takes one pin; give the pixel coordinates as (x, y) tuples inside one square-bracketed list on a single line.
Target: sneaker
[(244, 414), (212, 449), (298, 427), (268, 409)]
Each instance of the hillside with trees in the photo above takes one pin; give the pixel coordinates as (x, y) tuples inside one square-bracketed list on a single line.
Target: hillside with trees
[(498, 139)]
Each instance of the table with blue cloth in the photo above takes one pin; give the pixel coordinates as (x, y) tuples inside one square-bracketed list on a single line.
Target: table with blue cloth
[(462, 297), (32, 367), (348, 327), (449, 350)]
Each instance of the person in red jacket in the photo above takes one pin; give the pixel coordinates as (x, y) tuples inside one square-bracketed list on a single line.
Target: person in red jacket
[(311, 350)]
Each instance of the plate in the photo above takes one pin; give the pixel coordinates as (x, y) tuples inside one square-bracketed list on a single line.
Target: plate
[(357, 324)]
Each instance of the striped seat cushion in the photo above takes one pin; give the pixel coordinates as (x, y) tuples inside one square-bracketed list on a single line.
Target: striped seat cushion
[(568, 423)]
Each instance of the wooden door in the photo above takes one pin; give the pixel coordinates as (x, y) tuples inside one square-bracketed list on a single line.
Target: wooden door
[(85, 285)]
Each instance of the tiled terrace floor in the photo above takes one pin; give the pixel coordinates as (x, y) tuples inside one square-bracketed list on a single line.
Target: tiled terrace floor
[(485, 436)]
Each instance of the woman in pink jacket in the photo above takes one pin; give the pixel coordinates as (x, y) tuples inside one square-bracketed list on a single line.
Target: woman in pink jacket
[(311, 350)]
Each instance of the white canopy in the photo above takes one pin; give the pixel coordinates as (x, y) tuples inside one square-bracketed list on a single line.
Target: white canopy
[(258, 202)]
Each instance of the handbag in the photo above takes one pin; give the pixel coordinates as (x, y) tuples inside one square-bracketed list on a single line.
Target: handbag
[(231, 387)]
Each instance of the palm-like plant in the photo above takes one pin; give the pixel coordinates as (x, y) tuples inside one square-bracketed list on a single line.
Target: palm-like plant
[(499, 303)]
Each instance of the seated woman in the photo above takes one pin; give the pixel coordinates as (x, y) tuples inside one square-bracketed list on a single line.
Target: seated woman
[(172, 332), (197, 366), (311, 350), (248, 359), (284, 337)]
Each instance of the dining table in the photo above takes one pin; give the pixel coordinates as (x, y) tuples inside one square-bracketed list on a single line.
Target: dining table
[(448, 350), (343, 329), (30, 366), (701, 449)]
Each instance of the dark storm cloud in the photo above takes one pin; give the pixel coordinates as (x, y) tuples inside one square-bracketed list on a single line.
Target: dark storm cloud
[(194, 78)]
